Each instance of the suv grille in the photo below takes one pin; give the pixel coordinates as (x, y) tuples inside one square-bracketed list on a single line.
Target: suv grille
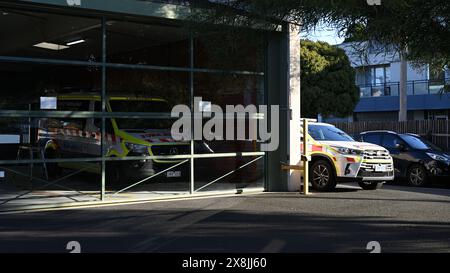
[(370, 167), (376, 154)]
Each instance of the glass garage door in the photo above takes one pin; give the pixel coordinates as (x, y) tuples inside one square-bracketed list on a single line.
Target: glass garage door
[(85, 109)]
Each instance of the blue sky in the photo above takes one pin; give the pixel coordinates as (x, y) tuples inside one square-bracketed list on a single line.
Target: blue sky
[(326, 34)]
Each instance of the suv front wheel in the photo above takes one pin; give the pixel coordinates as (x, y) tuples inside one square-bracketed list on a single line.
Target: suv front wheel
[(417, 176), (322, 176)]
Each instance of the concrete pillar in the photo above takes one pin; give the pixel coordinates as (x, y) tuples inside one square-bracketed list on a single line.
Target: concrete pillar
[(294, 106), (276, 86), (283, 89)]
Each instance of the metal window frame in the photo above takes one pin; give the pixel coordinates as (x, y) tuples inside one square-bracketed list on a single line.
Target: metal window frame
[(104, 65)]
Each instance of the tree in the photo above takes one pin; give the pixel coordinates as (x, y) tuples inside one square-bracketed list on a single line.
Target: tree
[(421, 26), (419, 30), (328, 80)]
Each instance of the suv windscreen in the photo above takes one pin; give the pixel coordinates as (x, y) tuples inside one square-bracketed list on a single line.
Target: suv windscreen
[(390, 141), (143, 106), (327, 133), (419, 143)]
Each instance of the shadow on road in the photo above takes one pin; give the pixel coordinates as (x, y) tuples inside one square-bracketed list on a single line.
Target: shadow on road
[(181, 230)]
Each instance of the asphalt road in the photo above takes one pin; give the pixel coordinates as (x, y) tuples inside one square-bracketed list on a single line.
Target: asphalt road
[(401, 219)]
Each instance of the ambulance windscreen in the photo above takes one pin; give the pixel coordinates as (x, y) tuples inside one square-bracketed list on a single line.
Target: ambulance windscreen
[(327, 133)]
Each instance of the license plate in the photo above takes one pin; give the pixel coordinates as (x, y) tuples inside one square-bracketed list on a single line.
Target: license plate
[(173, 174), (380, 168)]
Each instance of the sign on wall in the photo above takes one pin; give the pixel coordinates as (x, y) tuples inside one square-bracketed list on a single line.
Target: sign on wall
[(49, 103)]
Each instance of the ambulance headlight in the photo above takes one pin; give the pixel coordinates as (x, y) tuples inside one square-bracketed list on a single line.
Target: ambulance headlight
[(137, 148), (347, 151)]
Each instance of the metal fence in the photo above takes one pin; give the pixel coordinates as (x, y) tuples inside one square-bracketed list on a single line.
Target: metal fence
[(435, 130)]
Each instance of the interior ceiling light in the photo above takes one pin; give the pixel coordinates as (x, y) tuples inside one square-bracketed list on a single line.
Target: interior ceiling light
[(51, 46), (76, 42)]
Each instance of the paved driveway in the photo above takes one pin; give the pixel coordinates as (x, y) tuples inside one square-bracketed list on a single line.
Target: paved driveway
[(401, 219)]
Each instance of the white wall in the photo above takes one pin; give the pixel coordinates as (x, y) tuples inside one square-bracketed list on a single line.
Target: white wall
[(383, 58), (359, 59)]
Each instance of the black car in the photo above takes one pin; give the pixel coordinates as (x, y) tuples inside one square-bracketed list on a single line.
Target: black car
[(415, 158)]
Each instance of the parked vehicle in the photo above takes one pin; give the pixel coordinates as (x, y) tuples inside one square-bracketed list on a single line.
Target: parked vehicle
[(415, 158), (337, 158), (10, 139), (74, 137)]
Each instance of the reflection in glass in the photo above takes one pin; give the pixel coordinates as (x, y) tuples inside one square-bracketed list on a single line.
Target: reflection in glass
[(229, 89), (43, 81), (147, 44), (239, 173), (50, 36), (164, 86), (237, 49), (36, 184)]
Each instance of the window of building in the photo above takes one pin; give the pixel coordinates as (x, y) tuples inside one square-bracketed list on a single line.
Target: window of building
[(373, 75), (49, 36), (437, 115), (139, 71), (436, 75)]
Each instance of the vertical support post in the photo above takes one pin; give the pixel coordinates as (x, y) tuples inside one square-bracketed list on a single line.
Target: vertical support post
[(191, 96), (276, 94), (29, 127), (294, 122), (305, 157), (403, 94), (103, 95), (266, 102)]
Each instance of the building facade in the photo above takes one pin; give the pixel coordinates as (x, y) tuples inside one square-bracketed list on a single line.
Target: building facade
[(378, 77), (87, 89)]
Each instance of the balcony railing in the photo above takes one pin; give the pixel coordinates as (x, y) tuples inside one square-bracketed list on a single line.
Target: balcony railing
[(422, 87)]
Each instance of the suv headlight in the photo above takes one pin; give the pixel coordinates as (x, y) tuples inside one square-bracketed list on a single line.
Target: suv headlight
[(137, 148), (438, 157), (347, 151)]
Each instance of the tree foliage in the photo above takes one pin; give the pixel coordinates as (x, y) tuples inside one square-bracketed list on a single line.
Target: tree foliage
[(420, 26), (328, 80)]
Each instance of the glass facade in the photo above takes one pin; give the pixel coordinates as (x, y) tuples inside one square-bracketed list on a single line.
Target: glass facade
[(85, 108), (375, 81)]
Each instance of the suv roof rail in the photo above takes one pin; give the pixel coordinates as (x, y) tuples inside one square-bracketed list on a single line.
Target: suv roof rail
[(379, 131), (411, 134)]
